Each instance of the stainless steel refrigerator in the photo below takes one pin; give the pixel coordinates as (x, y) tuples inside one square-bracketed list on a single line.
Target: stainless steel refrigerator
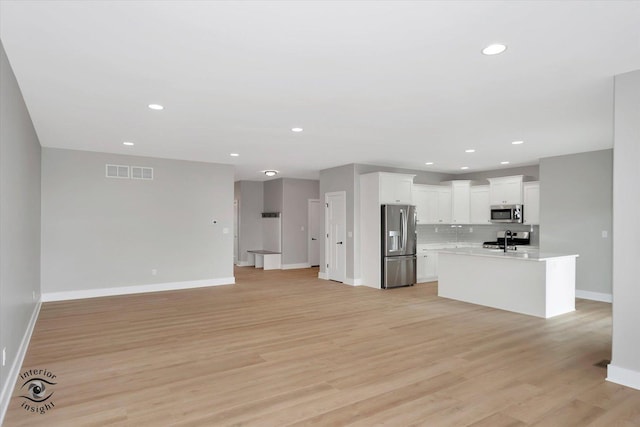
[(398, 245)]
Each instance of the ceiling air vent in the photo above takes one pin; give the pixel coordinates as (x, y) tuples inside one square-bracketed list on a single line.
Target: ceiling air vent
[(139, 172), (270, 214), (117, 171)]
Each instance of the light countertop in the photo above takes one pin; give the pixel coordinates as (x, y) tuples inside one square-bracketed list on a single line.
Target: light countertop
[(499, 253)]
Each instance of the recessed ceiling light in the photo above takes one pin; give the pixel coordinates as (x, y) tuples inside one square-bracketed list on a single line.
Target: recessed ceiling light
[(271, 173), (517, 142), (494, 49), (156, 107), (429, 163), (234, 154), (470, 150), (296, 129), (127, 143), (504, 163), (464, 167)]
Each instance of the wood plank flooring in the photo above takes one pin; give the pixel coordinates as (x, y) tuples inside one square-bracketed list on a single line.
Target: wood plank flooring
[(282, 348)]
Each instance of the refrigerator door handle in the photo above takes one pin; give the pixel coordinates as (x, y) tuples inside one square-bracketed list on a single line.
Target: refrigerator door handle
[(405, 224), (402, 229)]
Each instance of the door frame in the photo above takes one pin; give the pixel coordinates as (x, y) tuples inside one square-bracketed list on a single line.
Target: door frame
[(236, 232), (327, 249), (309, 203)]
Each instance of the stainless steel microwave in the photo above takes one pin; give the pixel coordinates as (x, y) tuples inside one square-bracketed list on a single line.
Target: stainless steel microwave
[(507, 213)]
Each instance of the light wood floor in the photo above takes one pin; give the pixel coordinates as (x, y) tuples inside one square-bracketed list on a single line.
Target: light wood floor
[(283, 348)]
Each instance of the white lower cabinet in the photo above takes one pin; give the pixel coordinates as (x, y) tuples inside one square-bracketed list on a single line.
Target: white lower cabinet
[(427, 266)]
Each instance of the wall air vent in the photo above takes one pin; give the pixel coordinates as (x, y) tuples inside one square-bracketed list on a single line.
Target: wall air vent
[(139, 172), (270, 214), (117, 171)]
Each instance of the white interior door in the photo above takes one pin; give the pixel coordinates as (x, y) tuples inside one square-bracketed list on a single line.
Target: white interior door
[(235, 232), (336, 219), (314, 232)]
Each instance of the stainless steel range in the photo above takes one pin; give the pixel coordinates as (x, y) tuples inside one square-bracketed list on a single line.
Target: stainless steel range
[(518, 238)]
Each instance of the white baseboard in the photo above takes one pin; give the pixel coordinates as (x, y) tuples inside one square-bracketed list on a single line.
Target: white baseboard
[(14, 372), (322, 275), (294, 266), (243, 264), (126, 290), (594, 296), (353, 282), (623, 376)]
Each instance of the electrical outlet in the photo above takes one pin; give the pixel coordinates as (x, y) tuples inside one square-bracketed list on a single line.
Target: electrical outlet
[(4, 356), (470, 229), (154, 272)]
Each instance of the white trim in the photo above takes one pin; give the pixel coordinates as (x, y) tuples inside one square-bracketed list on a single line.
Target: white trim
[(623, 376), (126, 290), (294, 266), (309, 237), (353, 282), (243, 264), (594, 296), (322, 275), (12, 376)]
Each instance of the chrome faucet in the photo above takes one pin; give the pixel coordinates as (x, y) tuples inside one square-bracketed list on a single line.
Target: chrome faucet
[(507, 234)]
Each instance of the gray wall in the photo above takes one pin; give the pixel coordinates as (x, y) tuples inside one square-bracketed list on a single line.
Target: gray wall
[(19, 221), (289, 197), (575, 208), (295, 196), (421, 177), (250, 196), (273, 195), (341, 178), (531, 173), (102, 232), (626, 250)]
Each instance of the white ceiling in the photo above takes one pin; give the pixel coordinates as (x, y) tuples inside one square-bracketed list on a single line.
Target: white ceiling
[(389, 83)]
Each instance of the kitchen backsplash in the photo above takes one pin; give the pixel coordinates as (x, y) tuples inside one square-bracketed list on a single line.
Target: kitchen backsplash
[(470, 233)]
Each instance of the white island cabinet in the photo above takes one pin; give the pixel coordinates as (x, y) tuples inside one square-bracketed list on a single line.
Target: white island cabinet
[(532, 283)]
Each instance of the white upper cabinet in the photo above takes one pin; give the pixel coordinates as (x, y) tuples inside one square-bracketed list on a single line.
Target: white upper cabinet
[(480, 206), (506, 190), (531, 202), (460, 202), (396, 188), (420, 200), (433, 203), (444, 205)]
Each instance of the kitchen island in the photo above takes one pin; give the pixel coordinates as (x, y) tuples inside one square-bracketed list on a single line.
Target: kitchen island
[(533, 283)]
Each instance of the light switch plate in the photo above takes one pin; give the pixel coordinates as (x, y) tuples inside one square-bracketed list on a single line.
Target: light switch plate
[(605, 234)]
